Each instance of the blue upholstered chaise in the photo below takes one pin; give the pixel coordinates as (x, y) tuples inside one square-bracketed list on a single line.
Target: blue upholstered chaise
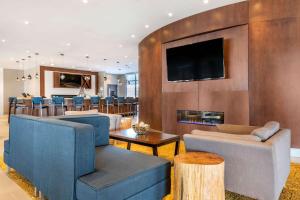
[(60, 158)]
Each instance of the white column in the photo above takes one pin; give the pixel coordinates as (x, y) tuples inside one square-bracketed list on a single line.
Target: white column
[(1, 92)]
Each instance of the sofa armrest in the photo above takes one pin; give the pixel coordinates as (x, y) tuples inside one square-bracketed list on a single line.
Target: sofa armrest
[(64, 151), (236, 129), (248, 165)]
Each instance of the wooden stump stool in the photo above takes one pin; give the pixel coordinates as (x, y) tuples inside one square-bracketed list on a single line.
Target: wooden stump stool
[(199, 176)]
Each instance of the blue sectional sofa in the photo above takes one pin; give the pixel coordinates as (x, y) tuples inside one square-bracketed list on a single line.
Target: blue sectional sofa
[(64, 160)]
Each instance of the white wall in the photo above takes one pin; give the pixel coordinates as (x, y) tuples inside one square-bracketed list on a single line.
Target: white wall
[(32, 86), (50, 90), (113, 80), (1, 92)]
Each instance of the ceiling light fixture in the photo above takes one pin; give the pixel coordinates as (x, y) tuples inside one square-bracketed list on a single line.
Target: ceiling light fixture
[(85, 1), (205, 1), (3, 40), (132, 36), (26, 22), (170, 14), (125, 56), (68, 44), (147, 26), (120, 46)]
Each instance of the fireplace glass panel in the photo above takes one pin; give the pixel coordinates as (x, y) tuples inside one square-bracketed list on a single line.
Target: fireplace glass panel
[(200, 117)]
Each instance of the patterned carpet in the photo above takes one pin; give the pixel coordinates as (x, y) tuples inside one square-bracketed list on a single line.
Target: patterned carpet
[(290, 192)]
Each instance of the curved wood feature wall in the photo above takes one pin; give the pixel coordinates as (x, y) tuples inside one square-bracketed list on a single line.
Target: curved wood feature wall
[(151, 97), (273, 32)]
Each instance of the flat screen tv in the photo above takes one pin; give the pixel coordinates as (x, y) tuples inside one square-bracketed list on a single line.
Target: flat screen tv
[(70, 80), (198, 61)]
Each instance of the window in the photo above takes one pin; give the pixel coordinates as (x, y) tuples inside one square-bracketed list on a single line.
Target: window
[(132, 85)]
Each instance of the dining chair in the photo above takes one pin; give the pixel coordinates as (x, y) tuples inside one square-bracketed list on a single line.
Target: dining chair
[(59, 103), (38, 104), (78, 103)]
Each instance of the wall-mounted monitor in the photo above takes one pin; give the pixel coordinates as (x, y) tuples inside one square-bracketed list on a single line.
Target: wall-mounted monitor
[(69, 80), (198, 61)]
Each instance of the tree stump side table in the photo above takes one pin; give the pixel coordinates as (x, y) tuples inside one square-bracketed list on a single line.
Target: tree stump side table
[(199, 176)]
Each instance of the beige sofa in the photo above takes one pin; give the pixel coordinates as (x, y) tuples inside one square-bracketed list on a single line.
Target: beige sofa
[(114, 119), (254, 168)]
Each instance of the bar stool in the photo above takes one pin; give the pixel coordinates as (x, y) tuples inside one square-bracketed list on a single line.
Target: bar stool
[(135, 106), (78, 103), (108, 103), (129, 103), (119, 103), (13, 104), (38, 104), (95, 102), (59, 103)]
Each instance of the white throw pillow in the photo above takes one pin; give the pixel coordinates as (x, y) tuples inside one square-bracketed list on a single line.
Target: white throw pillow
[(267, 131)]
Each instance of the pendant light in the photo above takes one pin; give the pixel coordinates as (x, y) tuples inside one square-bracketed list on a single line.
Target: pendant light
[(62, 76), (18, 67), (87, 78), (37, 76), (23, 77), (29, 77)]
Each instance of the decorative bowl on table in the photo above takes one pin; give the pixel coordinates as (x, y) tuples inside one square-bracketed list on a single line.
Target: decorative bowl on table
[(141, 128)]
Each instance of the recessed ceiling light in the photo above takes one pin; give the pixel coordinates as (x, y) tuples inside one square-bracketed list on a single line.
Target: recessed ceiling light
[(120, 45), (3, 40), (26, 22), (85, 1), (52, 64), (125, 56), (133, 36), (27, 51), (205, 1), (170, 14), (68, 44), (147, 26), (90, 69)]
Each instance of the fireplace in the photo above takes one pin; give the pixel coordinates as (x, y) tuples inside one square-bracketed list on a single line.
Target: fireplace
[(200, 117)]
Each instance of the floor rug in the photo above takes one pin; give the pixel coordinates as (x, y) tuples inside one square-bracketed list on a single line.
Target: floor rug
[(290, 192)]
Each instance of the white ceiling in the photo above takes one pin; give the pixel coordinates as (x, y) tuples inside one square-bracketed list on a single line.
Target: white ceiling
[(97, 28)]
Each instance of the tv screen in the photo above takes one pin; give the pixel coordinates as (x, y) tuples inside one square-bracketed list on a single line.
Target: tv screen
[(70, 80), (199, 61)]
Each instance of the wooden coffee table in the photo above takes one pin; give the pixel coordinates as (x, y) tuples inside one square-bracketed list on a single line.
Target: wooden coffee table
[(152, 138)]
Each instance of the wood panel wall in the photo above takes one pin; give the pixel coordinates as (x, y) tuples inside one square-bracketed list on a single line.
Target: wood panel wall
[(273, 64), (64, 70), (228, 95)]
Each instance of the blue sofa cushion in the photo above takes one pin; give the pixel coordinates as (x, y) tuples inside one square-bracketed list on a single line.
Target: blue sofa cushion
[(121, 174), (6, 146), (100, 123)]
